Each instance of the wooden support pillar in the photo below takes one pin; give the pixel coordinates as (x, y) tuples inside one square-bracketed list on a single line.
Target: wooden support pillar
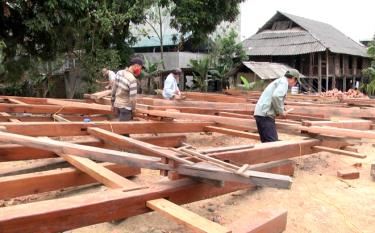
[(344, 83), (311, 62), (354, 66), (319, 72), (327, 71)]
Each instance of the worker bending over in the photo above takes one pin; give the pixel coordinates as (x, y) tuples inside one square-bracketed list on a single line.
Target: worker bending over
[(124, 90), (171, 90), (271, 104)]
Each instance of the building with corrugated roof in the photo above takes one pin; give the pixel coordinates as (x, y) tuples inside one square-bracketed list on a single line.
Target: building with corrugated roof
[(327, 57)]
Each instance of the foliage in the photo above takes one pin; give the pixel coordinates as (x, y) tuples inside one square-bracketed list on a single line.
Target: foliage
[(96, 33), (246, 84), (47, 28), (226, 52), (369, 73), (151, 72), (200, 72), (200, 17)]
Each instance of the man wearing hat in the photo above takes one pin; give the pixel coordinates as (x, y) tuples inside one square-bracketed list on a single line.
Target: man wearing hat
[(171, 90), (271, 104), (124, 90)]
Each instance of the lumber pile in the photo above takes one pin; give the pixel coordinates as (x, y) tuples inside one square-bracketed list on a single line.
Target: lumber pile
[(81, 135), (350, 94)]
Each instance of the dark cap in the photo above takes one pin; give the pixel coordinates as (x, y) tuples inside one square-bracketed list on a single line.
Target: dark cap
[(136, 60)]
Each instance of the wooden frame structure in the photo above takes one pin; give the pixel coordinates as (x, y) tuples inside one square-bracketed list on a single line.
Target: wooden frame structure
[(57, 131)]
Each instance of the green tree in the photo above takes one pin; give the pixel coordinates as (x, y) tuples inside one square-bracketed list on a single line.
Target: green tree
[(200, 69), (95, 33), (200, 17), (369, 72)]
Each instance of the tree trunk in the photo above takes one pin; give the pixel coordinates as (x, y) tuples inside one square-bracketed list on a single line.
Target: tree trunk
[(72, 82), (161, 38)]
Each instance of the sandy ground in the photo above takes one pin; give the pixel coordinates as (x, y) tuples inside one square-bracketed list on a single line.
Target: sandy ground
[(317, 202)]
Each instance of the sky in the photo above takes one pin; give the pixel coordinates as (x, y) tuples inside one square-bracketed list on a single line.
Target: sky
[(356, 19)]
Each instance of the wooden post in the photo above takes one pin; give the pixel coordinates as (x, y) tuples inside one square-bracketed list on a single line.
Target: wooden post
[(344, 83), (311, 59), (327, 71), (319, 72)]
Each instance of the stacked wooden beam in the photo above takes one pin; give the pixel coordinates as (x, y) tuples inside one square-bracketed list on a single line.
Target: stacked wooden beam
[(104, 156)]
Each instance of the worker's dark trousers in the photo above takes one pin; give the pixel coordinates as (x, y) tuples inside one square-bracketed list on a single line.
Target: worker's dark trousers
[(124, 115), (266, 128)]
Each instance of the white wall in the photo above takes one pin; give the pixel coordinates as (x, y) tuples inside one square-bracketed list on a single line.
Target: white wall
[(174, 60)]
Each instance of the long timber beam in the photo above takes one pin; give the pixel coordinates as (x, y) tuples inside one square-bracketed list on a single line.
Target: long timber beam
[(51, 109), (13, 152), (45, 181), (87, 209), (80, 128)]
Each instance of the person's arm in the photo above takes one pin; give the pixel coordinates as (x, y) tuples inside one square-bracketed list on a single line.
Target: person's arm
[(114, 88), (133, 93), (177, 89), (278, 98)]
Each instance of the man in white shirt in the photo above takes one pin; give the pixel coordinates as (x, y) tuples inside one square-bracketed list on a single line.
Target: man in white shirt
[(110, 75), (171, 90)]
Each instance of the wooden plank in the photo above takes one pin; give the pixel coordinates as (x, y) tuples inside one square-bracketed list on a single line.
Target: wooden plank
[(13, 152), (99, 95), (35, 166), (213, 97), (87, 209), (231, 114), (59, 118), (185, 217), (164, 140), (198, 104), (100, 173), (216, 119), (340, 152), (232, 132), (15, 101), (45, 181), (9, 117), (265, 152), (14, 120), (263, 221), (64, 103), (50, 109), (358, 124), (38, 118), (96, 153), (224, 149), (215, 173), (135, 145), (198, 110), (80, 128), (340, 132)]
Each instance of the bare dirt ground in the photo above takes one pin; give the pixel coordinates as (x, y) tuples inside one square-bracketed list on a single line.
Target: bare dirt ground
[(317, 202)]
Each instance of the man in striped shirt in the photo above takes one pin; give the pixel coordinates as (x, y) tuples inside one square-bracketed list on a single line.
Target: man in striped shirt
[(124, 90)]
